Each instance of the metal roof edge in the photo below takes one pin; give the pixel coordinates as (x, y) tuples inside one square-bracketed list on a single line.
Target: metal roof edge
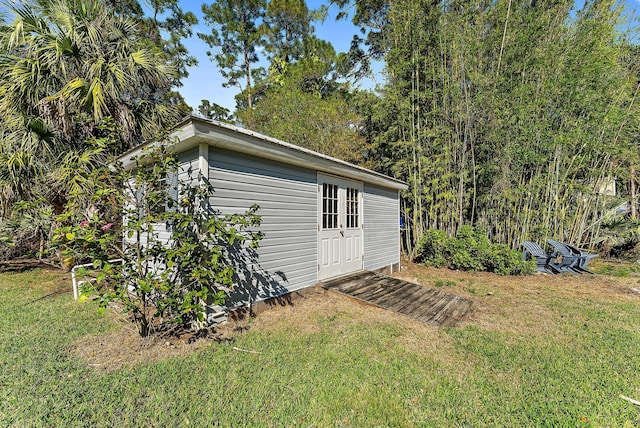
[(191, 135)]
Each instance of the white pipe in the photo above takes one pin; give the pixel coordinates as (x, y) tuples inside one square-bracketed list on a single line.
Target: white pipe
[(74, 280)]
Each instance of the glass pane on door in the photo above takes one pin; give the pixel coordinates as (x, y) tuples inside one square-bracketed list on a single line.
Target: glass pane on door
[(352, 208), (329, 206)]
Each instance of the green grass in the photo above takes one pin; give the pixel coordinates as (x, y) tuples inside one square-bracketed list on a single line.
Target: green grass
[(343, 370), (441, 283), (617, 269)]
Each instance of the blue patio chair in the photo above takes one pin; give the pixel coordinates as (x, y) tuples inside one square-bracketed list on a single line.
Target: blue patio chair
[(543, 260), (571, 260), (584, 257)]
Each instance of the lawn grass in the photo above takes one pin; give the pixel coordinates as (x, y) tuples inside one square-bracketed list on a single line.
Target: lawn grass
[(621, 269), (329, 362)]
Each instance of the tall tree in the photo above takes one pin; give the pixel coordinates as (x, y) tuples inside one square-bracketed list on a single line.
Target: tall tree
[(328, 125), (66, 66), (509, 115), (169, 18), (302, 100), (214, 111), (286, 24), (371, 17), (235, 35)]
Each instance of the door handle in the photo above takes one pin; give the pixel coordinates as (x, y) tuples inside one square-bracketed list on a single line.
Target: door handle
[(342, 232)]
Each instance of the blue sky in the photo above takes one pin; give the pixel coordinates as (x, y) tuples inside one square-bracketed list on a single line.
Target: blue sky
[(205, 82)]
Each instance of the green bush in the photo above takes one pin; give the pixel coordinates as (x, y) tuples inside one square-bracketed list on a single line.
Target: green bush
[(432, 247), (163, 284), (470, 250)]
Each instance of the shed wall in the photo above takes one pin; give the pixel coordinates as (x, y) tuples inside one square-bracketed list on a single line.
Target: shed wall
[(287, 197), (187, 172), (188, 165), (381, 227)]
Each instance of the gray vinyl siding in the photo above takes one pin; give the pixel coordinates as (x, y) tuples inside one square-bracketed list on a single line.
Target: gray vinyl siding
[(188, 166), (287, 197), (187, 173), (381, 227)]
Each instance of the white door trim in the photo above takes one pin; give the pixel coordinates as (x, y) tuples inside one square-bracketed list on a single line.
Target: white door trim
[(340, 231)]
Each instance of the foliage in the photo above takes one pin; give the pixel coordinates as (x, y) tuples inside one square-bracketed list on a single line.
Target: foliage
[(327, 125), (298, 98), (511, 116), (432, 248), (159, 282), (165, 25), (619, 237), (286, 25), (66, 68), (214, 111), (26, 232), (470, 250)]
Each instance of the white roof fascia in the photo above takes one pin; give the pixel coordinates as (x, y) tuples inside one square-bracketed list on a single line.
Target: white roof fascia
[(234, 138), (180, 140), (194, 130)]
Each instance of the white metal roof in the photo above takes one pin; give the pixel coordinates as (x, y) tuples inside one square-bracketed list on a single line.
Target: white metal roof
[(194, 130)]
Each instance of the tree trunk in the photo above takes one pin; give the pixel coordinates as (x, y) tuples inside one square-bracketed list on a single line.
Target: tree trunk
[(247, 67), (632, 193)]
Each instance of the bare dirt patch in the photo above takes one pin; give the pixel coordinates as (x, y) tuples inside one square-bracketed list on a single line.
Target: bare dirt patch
[(123, 346), (126, 348), (307, 316)]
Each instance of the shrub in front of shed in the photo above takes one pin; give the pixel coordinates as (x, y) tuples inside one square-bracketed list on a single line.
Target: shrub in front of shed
[(164, 284)]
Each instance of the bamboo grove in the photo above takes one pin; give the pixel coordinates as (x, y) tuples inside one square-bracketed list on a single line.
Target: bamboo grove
[(513, 116)]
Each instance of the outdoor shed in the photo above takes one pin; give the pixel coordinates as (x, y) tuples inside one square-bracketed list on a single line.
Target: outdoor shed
[(321, 217)]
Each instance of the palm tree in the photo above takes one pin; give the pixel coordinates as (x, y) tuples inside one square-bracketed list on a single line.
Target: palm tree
[(66, 66)]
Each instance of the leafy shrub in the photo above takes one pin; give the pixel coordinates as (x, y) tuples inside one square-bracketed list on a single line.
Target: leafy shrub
[(161, 283), (470, 250), (26, 232), (505, 261), (432, 247)]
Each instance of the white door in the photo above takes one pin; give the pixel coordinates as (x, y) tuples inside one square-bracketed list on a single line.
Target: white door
[(339, 226)]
